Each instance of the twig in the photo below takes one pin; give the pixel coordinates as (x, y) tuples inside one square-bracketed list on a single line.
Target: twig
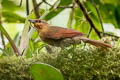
[(38, 4), (72, 14), (0, 12), (27, 9), (46, 2), (20, 3), (36, 8), (27, 6), (89, 32), (98, 14), (88, 18), (3, 41), (109, 34), (16, 51), (58, 6), (65, 7), (2, 37), (88, 35)]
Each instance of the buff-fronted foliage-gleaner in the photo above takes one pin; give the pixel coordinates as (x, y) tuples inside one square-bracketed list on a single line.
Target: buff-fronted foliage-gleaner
[(62, 37)]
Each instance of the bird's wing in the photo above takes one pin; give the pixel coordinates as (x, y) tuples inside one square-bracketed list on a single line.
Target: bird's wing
[(61, 33)]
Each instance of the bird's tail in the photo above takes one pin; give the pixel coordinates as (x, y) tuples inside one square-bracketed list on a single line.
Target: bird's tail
[(95, 42)]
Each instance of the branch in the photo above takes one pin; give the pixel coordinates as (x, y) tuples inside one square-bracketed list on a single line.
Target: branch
[(16, 51), (88, 18), (65, 7), (3, 41), (27, 6), (72, 14), (36, 8), (98, 14), (109, 34), (2, 37)]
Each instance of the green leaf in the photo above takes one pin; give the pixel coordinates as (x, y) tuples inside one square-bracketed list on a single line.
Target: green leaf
[(4, 53), (17, 39), (12, 17), (9, 50), (80, 22), (113, 2), (31, 45), (9, 5), (25, 37), (45, 72), (108, 9), (28, 53), (117, 15), (52, 14), (65, 2), (118, 43), (107, 12), (35, 34)]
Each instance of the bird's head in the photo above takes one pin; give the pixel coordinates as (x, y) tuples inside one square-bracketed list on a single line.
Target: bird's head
[(38, 23)]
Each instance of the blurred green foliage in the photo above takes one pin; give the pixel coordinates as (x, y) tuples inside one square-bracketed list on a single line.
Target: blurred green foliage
[(12, 17), (9, 9)]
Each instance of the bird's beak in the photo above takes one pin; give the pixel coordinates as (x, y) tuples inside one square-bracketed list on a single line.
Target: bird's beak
[(31, 20)]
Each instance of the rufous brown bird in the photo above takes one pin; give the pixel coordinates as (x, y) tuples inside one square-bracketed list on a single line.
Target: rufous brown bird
[(60, 37)]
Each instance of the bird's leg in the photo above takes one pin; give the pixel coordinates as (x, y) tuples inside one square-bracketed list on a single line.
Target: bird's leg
[(65, 43), (49, 49), (62, 50), (73, 44)]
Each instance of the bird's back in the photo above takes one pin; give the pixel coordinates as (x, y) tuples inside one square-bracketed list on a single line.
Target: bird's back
[(55, 32)]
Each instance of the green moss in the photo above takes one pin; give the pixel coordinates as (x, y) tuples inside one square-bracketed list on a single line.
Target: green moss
[(14, 68), (75, 64)]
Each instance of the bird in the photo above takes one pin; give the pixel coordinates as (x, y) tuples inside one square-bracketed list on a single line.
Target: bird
[(62, 37)]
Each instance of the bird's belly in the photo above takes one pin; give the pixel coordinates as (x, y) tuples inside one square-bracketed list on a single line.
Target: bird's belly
[(51, 42), (61, 42)]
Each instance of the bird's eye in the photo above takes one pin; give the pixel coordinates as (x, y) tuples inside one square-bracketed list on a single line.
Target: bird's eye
[(39, 21)]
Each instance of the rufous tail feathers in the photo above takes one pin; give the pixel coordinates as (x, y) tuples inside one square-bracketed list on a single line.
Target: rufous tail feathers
[(95, 42)]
